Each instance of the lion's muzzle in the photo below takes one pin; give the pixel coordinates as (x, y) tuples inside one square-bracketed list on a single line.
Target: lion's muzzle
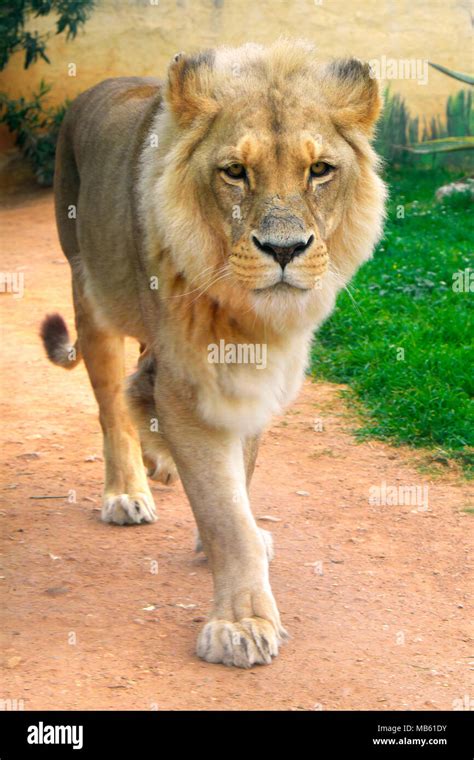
[(283, 253)]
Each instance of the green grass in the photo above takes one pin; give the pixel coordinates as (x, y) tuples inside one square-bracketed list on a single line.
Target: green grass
[(404, 299)]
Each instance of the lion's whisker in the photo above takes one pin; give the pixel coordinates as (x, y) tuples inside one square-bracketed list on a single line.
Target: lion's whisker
[(221, 277), (339, 278), (201, 274)]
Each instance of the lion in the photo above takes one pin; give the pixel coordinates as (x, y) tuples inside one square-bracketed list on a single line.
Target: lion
[(226, 207)]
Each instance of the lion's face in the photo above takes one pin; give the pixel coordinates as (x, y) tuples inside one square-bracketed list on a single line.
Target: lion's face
[(269, 186), (276, 190)]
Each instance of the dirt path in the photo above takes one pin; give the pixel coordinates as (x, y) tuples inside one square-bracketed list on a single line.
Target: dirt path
[(375, 597)]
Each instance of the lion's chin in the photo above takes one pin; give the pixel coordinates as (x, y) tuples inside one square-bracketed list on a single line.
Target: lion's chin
[(290, 308), (282, 299)]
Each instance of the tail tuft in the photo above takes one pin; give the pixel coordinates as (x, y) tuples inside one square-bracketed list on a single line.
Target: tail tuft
[(55, 337)]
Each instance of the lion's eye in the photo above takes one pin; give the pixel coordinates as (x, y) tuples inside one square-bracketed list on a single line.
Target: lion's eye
[(235, 171), (320, 169)]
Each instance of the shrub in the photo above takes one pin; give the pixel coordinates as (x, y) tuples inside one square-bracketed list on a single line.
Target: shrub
[(71, 14), (36, 129)]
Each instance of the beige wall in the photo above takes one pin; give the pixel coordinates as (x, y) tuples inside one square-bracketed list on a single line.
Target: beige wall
[(138, 37)]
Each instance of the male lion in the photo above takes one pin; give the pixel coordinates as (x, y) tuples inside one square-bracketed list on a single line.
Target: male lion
[(224, 208)]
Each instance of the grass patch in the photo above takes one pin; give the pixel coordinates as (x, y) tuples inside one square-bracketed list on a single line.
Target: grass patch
[(405, 347)]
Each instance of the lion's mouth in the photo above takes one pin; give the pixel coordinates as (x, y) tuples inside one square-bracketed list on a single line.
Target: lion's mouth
[(281, 287)]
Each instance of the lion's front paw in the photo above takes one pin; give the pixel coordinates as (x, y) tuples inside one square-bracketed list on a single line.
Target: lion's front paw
[(250, 641), (129, 509)]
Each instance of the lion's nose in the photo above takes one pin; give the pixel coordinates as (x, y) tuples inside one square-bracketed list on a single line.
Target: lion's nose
[(283, 254)]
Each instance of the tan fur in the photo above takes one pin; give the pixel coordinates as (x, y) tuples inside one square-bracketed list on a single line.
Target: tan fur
[(168, 248)]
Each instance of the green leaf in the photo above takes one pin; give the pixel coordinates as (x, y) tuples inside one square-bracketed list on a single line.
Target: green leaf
[(467, 78), (446, 145)]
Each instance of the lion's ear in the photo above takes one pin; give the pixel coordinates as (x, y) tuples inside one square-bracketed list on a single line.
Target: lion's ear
[(352, 94), (189, 91)]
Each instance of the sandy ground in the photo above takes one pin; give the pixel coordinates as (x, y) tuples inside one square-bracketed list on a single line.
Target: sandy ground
[(104, 617)]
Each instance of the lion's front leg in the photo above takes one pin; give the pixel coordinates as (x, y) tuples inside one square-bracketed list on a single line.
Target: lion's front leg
[(250, 450), (244, 625)]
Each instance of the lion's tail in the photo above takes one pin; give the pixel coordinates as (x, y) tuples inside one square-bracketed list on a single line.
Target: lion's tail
[(55, 337)]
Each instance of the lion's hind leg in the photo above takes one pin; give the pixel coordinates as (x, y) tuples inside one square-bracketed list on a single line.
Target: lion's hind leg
[(140, 395), (127, 496)]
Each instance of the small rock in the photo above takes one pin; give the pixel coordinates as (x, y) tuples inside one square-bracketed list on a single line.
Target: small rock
[(454, 188), (57, 590), (303, 493), (12, 662), (269, 518)]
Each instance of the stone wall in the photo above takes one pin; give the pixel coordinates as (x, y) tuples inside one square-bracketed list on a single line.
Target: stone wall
[(139, 37)]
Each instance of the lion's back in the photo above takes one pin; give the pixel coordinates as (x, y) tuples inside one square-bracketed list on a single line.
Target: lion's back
[(97, 156)]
